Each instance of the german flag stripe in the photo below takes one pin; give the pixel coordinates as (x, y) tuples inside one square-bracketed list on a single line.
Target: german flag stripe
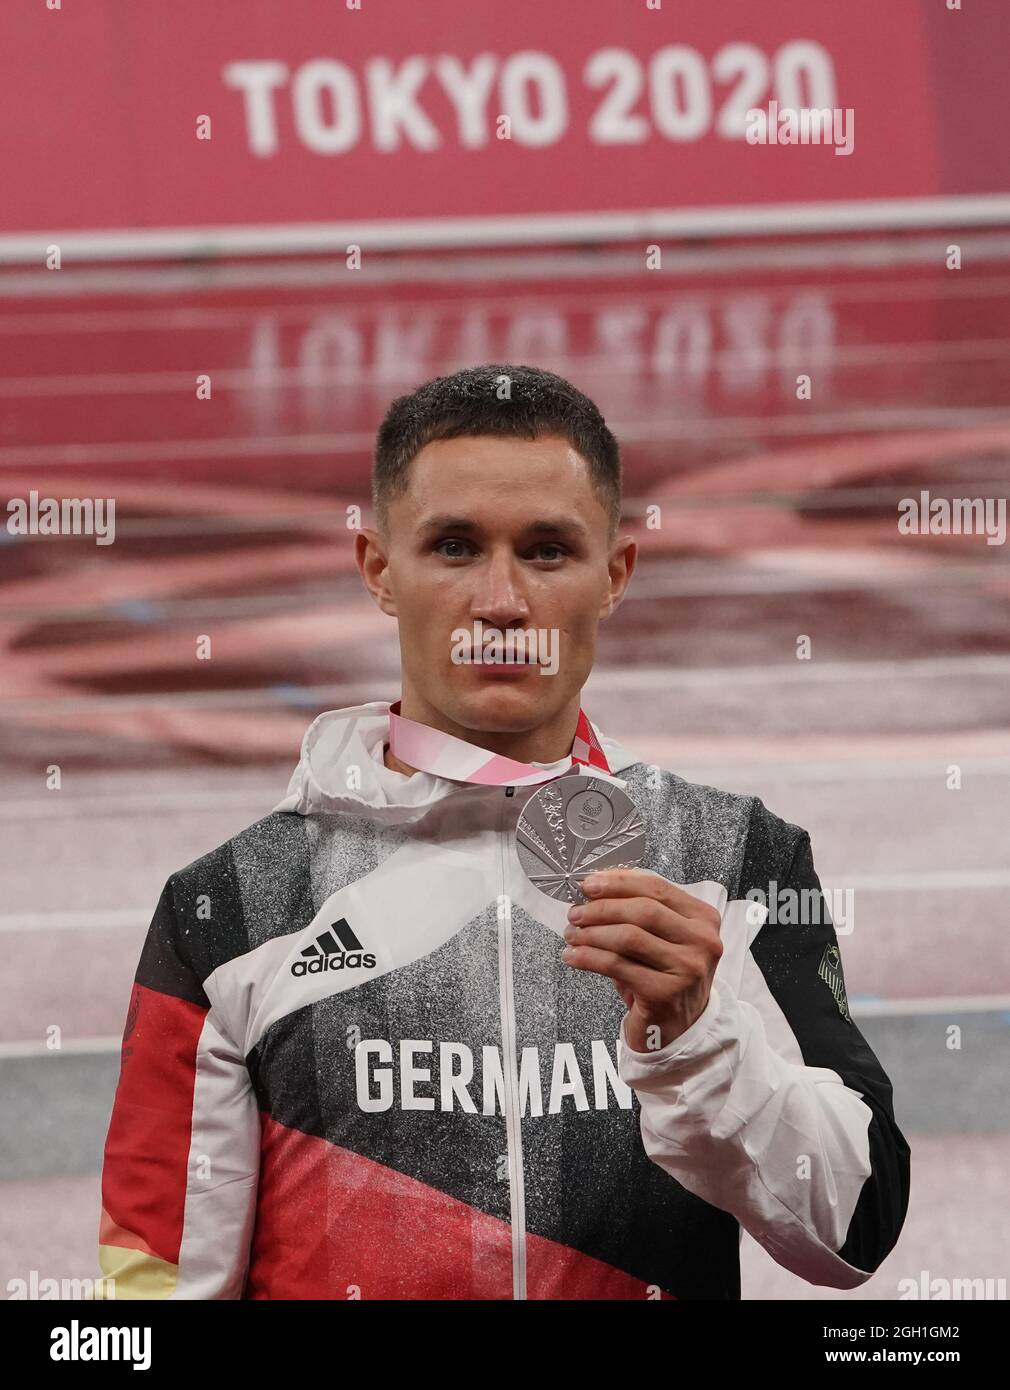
[(144, 1178), (382, 1234)]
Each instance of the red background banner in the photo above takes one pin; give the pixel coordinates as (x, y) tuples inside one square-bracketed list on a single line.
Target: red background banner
[(322, 115)]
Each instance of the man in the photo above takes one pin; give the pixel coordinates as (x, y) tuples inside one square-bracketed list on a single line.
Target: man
[(367, 1056)]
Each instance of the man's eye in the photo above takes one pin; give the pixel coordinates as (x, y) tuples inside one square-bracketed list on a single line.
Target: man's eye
[(450, 541), (463, 548)]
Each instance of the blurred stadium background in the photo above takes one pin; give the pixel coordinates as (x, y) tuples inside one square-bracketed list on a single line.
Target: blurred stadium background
[(227, 258)]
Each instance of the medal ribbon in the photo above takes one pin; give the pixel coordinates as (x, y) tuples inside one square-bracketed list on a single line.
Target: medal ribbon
[(433, 751)]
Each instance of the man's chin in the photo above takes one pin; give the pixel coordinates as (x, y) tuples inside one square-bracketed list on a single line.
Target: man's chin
[(501, 705)]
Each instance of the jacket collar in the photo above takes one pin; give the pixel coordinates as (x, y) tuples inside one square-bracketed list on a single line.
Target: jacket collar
[(341, 770)]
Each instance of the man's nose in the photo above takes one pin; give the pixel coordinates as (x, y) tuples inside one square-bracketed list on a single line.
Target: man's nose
[(499, 597)]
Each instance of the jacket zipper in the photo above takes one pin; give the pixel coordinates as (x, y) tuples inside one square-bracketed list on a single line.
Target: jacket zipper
[(513, 1130)]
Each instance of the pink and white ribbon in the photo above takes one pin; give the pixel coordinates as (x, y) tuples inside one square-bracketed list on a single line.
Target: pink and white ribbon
[(432, 751)]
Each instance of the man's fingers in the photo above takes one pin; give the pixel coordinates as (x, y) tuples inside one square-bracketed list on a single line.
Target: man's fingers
[(648, 986), (632, 883), (652, 916), (626, 939)]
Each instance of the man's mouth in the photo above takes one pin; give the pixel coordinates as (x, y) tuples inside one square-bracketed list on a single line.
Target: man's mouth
[(497, 652), (519, 659)]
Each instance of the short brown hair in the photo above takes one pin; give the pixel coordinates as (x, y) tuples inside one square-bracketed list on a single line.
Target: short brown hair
[(470, 402)]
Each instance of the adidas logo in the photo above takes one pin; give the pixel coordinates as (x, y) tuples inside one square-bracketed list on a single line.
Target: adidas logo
[(337, 948)]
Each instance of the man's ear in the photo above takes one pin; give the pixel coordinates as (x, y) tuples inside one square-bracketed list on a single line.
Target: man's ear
[(372, 559), (621, 567)]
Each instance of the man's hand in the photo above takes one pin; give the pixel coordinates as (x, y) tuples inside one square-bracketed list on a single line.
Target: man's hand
[(658, 944)]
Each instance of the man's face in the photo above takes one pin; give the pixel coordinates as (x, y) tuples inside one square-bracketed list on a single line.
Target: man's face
[(511, 533)]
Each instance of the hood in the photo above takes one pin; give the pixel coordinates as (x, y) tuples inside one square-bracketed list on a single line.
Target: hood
[(341, 771)]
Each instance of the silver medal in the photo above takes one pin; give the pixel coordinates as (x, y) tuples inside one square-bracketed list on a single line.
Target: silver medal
[(572, 826)]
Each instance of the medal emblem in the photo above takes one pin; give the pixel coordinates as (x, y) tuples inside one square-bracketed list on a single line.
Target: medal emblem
[(573, 826)]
